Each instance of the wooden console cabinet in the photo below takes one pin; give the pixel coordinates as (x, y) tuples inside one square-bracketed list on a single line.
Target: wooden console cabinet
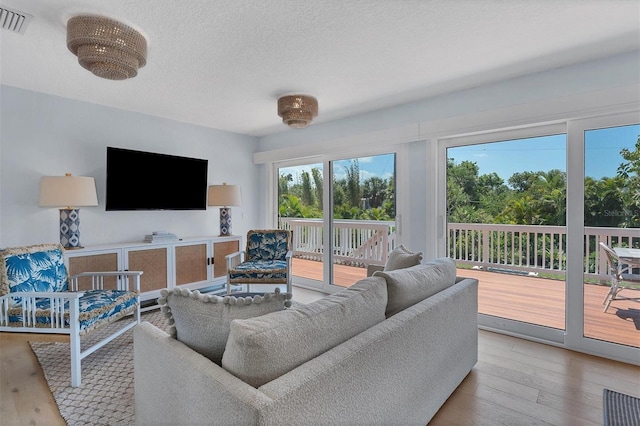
[(190, 262)]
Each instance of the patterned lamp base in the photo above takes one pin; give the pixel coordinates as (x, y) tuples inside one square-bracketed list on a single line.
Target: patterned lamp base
[(70, 228), (225, 221)]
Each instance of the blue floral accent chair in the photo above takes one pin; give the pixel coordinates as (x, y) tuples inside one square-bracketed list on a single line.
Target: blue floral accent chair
[(266, 260), (41, 302)]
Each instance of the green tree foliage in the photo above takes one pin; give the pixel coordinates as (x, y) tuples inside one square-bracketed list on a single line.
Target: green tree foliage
[(301, 196), (283, 184), (307, 191), (540, 198), (292, 206), (317, 182), (630, 172), (353, 189)]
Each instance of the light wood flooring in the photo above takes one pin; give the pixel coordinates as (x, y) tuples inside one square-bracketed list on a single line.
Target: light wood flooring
[(515, 382)]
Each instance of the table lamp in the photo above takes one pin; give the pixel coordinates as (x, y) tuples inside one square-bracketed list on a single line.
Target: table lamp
[(224, 196), (68, 193)]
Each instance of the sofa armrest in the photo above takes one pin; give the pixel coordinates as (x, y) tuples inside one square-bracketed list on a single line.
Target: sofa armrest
[(174, 384)]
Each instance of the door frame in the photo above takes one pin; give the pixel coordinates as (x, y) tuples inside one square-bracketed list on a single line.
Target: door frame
[(575, 338), (488, 322)]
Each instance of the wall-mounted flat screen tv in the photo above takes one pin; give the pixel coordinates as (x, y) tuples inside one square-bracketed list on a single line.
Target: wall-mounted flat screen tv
[(138, 180)]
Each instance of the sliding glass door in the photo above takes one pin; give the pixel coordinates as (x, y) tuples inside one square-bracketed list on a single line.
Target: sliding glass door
[(612, 218), (300, 209), (363, 215), (506, 226), (526, 211), (342, 214)]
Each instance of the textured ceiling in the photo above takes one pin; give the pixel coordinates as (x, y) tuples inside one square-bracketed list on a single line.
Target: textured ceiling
[(223, 64)]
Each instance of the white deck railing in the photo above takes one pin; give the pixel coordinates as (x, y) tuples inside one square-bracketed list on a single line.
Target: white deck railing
[(355, 242), (532, 248), (516, 248)]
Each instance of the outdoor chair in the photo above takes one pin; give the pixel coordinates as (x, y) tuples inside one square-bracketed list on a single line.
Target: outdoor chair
[(40, 302), (266, 260), (621, 273)]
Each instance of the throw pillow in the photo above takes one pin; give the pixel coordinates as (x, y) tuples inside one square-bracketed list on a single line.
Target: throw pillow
[(37, 267), (401, 258), (261, 349), (201, 321), (406, 287)]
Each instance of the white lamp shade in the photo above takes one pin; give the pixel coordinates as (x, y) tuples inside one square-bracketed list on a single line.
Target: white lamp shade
[(67, 191), (224, 195)]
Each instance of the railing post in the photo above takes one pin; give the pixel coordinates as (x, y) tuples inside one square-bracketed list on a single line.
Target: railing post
[(485, 247)]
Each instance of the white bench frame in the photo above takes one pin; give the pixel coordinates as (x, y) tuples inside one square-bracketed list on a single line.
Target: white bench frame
[(56, 331)]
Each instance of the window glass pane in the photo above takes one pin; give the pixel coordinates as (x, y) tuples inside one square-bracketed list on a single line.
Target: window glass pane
[(611, 216), (506, 212)]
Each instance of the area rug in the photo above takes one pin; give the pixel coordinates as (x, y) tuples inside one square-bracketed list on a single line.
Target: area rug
[(620, 409), (105, 396)]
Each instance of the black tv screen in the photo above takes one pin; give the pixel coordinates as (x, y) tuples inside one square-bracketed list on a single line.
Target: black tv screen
[(138, 180)]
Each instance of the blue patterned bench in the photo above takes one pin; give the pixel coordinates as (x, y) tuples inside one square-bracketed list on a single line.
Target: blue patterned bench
[(38, 301)]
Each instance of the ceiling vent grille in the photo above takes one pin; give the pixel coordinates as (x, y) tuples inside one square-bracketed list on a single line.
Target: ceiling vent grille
[(14, 20)]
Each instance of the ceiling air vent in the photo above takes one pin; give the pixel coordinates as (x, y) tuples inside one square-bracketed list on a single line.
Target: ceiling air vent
[(14, 20)]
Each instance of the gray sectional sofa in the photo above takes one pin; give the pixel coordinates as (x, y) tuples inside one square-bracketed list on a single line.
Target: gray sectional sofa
[(389, 350)]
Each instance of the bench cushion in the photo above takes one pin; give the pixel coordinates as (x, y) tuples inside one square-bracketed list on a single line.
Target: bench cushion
[(259, 271), (263, 348), (97, 307)]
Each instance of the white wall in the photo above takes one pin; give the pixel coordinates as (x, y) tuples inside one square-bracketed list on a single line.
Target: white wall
[(44, 135)]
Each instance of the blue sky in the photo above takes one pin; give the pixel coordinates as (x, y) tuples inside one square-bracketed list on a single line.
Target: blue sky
[(602, 153)]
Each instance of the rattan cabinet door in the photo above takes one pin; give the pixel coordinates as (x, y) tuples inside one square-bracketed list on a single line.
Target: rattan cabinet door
[(220, 250), (191, 263), (95, 262), (153, 262)]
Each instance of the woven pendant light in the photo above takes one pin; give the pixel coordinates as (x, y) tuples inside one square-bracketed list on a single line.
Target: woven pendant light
[(107, 48), (297, 111)]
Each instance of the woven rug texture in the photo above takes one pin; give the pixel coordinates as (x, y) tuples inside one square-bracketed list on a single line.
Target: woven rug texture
[(105, 396), (620, 409)]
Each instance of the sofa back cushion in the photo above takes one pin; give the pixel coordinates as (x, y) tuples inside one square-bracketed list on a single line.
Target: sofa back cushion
[(263, 348), (401, 257), (406, 287), (201, 321)]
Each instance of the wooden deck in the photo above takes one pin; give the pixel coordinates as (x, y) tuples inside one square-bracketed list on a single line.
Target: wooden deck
[(528, 299)]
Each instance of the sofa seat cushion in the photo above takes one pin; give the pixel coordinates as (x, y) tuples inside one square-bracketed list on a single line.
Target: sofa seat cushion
[(201, 321), (97, 307), (259, 271), (408, 286), (263, 348)]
